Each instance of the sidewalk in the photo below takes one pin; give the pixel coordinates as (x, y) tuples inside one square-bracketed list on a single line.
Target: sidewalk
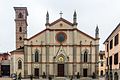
[(102, 78), (2, 78)]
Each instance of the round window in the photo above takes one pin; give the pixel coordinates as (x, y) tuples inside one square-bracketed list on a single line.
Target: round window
[(61, 37), (61, 59)]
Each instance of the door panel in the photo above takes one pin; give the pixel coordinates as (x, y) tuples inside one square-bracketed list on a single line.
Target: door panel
[(61, 70), (5, 70), (85, 72), (36, 72)]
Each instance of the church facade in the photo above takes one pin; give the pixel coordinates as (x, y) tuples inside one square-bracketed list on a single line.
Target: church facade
[(59, 50)]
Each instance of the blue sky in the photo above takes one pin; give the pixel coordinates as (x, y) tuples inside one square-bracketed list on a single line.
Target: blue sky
[(104, 13)]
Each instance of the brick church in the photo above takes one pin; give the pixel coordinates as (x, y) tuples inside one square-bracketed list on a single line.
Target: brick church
[(60, 50)]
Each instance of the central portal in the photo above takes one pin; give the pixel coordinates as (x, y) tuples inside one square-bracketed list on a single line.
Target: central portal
[(60, 70), (36, 72)]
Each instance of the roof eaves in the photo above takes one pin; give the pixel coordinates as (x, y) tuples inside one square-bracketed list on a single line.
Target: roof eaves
[(111, 33)]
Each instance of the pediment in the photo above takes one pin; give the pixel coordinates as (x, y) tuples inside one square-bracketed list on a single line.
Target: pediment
[(61, 24), (61, 55), (61, 51)]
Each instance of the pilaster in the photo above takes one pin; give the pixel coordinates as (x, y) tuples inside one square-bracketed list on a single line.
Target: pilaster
[(80, 57), (25, 61), (90, 58), (47, 60), (74, 60), (41, 54)]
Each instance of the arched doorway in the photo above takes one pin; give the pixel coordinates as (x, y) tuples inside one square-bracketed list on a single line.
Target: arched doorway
[(116, 76), (61, 66), (85, 72), (36, 72), (101, 73)]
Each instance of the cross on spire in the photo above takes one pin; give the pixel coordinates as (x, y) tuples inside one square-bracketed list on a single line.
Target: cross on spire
[(60, 14)]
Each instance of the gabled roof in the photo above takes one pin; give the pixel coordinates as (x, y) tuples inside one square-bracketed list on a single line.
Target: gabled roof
[(18, 50), (61, 51), (37, 34), (86, 34), (61, 19), (62, 29), (5, 53), (67, 22), (112, 33)]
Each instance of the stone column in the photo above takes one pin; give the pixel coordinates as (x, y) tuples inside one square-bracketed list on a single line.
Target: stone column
[(40, 70), (74, 60), (25, 60), (74, 51), (91, 58), (67, 67), (41, 58), (47, 61), (47, 39), (54, 66), (32, 60), (96, 58), (80, 57)]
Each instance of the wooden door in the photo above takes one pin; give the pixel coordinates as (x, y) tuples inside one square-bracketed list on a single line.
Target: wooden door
[(84, 72), (36, 72), (60, 70)]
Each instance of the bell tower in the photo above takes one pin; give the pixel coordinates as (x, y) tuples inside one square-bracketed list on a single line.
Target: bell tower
[(21, 14)]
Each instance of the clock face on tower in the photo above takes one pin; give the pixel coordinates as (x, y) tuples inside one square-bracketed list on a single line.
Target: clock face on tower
[(61, 37)]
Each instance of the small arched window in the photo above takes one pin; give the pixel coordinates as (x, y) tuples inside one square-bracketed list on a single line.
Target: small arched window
[(20, 38), (19, 64), (36, 56), (101, 72), (20, 15), (116, 76), (85, 56), (5, 58), (20, 29), (101, 64)]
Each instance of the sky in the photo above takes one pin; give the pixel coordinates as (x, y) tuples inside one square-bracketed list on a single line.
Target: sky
[(90, 13)]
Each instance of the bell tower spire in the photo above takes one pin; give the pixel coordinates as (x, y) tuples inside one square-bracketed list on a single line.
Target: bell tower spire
[(21, 14), (97, 32), (47, 19), (75, 19)]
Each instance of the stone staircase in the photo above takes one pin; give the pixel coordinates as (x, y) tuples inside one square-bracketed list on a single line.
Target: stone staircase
[(60, 78), (63, 78)]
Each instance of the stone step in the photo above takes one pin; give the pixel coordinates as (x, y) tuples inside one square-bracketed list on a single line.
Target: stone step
[(60, 78), (1, 78)]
